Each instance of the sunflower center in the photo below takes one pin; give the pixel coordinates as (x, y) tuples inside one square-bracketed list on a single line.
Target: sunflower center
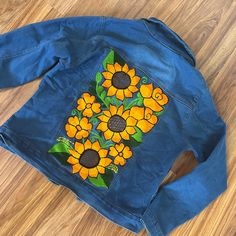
[(121, 80), (89, 158), (116, 123)]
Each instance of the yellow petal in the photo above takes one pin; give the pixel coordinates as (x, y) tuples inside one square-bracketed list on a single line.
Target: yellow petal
[(105, 162), (87, 144), (103, 118), (93, 172), (130, 130), (96, 107), (82, 134), (125, 68), (107, 75), (131, 121), (127, 153), (88, 112), (145, 126), (106, 83), (71, 130), (113, 110), (84, 122), (117, 67), (102, 153), (73, 120), (111, 68), (133, 88), (101, 169), (149, 116), (84, 172), (72, 160), (74, 153), (81, 104), (128, 94), (102, 126), (119, 161), (108, 134), (107, 113), (137, 112), (96, 146), (88, 98), (146, 90), (119, 147), (151, 103), (125, 115), (116, 138), (111, 91), (120, 110), (135, 80), (124, 135), (131, 73), (76, 168), (79, 147), (120, 94), (113, 152)]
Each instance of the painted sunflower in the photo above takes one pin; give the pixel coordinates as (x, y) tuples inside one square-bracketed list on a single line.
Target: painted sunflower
[(87, 105), (146, 118), (117, 124), (78, 128), (121, 153), (153, 98), (120, 81), (88, 159)]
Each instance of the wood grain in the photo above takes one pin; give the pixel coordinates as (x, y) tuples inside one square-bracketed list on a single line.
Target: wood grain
[(31, 205)]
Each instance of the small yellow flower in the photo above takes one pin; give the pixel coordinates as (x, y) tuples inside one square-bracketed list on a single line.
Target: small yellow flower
[(121, 153), (78, 128), (145, 117), (117, 124), (120, 81), (87, 105), (88, 159), (153, 99)]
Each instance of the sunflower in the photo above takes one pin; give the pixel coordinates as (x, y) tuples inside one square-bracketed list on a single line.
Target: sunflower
[(87, 105), (120, 81), (117, 124), (153, 99), (145, 117), (78, 128), (121, 153), (89, 159)]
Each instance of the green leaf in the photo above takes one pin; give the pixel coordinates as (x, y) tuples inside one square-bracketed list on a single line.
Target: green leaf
[(140, 102), (60, 151), (98, 77), (99, 89), (103, 94), (109, 59), (113, 167), (138, 135), (159, 113), (119, 59), (131, 143), (102, 180)]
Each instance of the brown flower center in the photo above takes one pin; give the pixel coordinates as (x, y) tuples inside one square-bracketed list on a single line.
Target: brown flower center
[(116, 123), (89, 158), (121, 80)]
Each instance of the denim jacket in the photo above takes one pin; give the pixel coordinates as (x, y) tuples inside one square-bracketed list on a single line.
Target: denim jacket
[(119, 101)]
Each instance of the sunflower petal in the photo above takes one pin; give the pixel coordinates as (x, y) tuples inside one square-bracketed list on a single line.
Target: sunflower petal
[(125, 68), (131, 121), (76, 168), (107, 75), (111, 68), (131, 73), (120, 94), (137, 112), (105, 162), (79, 147), (117, 66), (135, 80), (116, 138), (101, 169), (93, 172), (128, 94), (74, 153), (151, 103), (106, 83), (84, 172), (87, 144), (146, 90), (111, 91), (102, 126), (102, 153), (108, 134), (96, 146), (145, 126), (72, 160)]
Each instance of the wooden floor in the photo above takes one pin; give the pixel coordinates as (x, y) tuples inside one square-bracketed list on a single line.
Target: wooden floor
[(31, 205)]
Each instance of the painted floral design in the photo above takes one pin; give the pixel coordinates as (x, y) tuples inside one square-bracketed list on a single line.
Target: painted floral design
[(120, 81), (120, 107)]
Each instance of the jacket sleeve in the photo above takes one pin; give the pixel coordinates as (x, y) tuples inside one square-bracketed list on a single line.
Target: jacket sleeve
[(28, 52), (187, 196)]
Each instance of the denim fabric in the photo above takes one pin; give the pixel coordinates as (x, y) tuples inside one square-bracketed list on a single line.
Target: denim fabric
[(69, 53)]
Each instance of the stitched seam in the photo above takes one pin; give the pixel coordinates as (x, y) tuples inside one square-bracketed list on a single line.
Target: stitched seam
[(165, 45)]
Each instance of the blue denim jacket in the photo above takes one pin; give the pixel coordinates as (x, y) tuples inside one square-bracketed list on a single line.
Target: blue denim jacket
[(120, 99)]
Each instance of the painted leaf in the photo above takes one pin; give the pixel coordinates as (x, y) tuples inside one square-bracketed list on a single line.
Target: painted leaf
[(119, 59), (102, 180), (98, 77), (109, 59), (60, 151), (138, 135)]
